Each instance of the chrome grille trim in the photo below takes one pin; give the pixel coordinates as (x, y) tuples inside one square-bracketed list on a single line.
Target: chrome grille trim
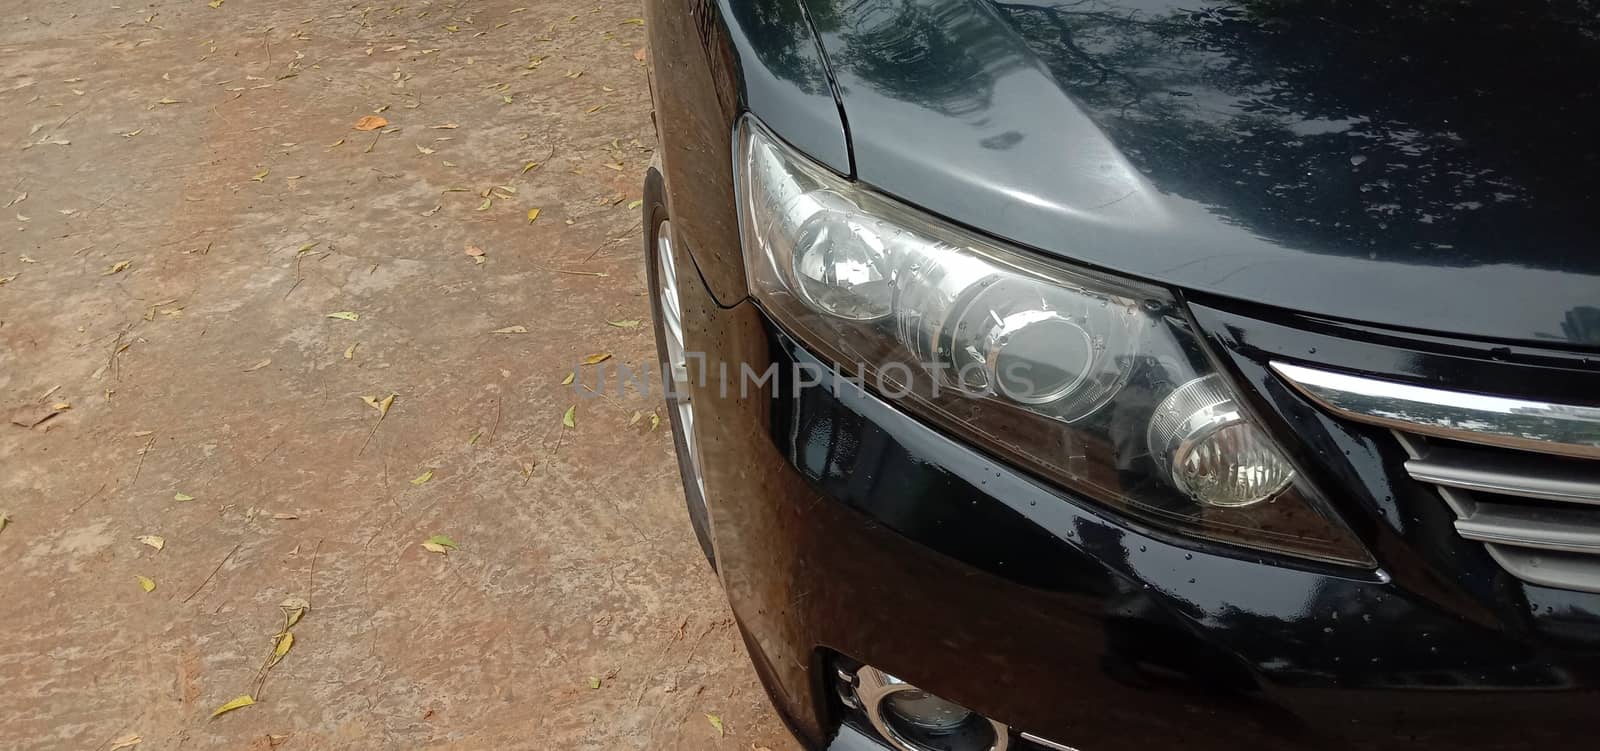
[(1565, 429), (1552, 546), (1520, 527), (1520, 475), (1506, 473)]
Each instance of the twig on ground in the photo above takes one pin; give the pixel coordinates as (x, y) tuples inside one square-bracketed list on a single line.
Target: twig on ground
[(213, 572)]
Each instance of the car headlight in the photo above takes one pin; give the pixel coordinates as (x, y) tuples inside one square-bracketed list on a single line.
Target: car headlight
[(1094, 382)]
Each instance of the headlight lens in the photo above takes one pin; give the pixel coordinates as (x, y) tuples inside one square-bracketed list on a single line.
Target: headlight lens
[(1095, 382)]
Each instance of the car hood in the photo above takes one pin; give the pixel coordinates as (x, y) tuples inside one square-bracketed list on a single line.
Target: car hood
[(1424, 164)]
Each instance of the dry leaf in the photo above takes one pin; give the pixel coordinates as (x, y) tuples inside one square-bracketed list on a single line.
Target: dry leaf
[(370, 122), (422, 478), (570, 419), (630, 323), (511, 330), (382, 405), (596, 358), (533, 214), (716, 722), (345, 315), (434, 547), (284, 517), (351, 351), (261, 176), (116, 268), (294, 608), (476, 253), (155, 541), (568, 380), (594, 683), (127, 741), (182, 497), (444, 541), (4, 520), (146, 583), (638, 54), (285, 643), (634, 204), (242, 701), (258, 366)]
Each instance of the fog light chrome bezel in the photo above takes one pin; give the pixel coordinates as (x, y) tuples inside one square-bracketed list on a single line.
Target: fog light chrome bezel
[(874, 688)]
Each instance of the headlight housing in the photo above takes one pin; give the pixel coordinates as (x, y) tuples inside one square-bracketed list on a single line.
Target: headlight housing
[(1094, 382)]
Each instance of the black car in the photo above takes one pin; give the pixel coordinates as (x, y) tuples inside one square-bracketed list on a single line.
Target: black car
[(1141, 374)]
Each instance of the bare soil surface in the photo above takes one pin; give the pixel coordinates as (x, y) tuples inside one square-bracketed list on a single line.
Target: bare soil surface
[(207, 272)]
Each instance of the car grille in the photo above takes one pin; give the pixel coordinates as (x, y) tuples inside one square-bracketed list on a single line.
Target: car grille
[(1537, 514), (1523, 477)]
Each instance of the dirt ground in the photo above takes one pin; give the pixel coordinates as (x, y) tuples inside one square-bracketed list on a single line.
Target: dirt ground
[(207, 270)]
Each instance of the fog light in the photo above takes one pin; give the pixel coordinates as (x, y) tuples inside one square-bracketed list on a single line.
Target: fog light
[(925, 711), (1211, 450), (912, 719)]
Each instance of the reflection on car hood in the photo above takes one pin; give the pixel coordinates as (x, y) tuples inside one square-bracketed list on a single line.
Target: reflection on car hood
[(1426, 164)]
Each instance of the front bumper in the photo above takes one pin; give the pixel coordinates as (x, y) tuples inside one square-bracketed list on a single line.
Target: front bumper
[(845, 528)]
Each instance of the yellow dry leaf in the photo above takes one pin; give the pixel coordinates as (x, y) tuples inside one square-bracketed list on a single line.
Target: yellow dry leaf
[(351, 351), (570, 419), (385, 404), (146, 583), (116, 268), (236, 703), (294, 608), (568, 380), (182, 497), (261, 176), (533, 214), (127, 741), (258, 366), (285, 643), (634, 204), (155, 541), (630, 323), (345, 315), (511, 330), (370, 122), (422, 478), (434, 547), (596, 358), (716, 722)]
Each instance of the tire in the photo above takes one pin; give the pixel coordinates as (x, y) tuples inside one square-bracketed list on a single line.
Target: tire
[(655, 214)]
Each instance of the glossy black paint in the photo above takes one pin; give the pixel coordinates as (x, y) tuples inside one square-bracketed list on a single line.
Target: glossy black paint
[(841, 525), (710, 61), (1427, 164)]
